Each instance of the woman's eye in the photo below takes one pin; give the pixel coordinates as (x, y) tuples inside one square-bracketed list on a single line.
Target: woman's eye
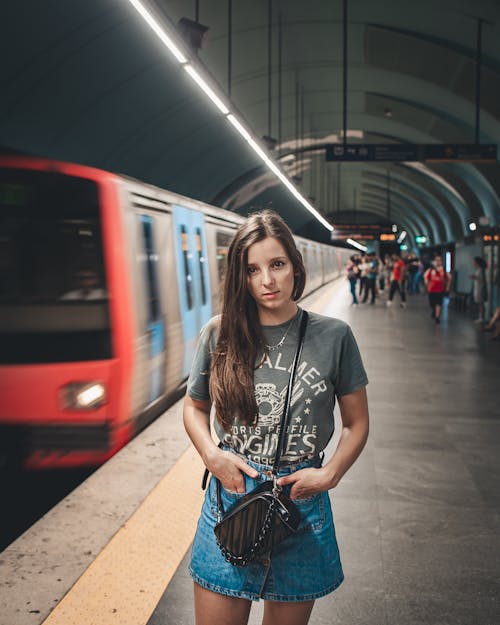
[(251, 270), (278, 263)]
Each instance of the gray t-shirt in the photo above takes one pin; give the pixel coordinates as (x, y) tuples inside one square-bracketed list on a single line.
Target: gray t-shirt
[(330, 366)]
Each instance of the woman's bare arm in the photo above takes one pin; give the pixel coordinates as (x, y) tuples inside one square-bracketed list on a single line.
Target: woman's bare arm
[(354, 414)]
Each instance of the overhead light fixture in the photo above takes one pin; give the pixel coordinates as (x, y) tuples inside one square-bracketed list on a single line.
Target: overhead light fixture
[(402, 236), (359, 246), (193, 70), (270, 142), (193, 33), (472, 226)]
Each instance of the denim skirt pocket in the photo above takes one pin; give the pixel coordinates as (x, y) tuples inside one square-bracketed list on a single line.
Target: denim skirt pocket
[(312, 513), (228, 498)]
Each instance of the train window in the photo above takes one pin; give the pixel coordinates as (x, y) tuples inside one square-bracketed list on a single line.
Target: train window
[(201, 263), (50, 238), (223, 240), (187, 274), (51, 258), (151, 269)]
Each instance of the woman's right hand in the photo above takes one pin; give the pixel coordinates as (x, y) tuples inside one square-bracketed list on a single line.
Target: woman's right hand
[(229, 469)]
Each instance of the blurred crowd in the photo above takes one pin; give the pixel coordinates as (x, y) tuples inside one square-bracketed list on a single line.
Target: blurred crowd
[(401, 275)]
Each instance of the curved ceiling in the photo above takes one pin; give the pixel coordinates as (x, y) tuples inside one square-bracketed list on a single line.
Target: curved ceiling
[(88, 82)]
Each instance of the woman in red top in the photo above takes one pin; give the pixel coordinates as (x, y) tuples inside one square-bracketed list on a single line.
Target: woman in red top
[(437, 282), (398, 280)]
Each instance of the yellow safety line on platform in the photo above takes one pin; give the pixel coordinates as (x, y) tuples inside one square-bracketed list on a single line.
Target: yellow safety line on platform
[(124, 584)]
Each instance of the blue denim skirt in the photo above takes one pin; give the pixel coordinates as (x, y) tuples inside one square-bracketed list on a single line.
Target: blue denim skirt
[(305, 566)]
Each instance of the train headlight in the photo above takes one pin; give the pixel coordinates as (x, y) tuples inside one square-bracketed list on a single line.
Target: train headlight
[(83, 395)]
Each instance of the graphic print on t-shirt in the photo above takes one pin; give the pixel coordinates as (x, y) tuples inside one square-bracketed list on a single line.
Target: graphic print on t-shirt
[(259, 442)]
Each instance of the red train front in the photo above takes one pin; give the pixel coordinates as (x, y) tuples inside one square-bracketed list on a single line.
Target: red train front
[(65, 356)]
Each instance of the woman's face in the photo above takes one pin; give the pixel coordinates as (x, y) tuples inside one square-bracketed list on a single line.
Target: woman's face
[(270, 279)]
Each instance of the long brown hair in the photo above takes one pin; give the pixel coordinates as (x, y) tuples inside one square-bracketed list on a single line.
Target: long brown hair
[(240, 337)]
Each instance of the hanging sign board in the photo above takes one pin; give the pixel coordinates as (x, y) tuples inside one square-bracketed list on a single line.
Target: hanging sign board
[(400, 152), (367, 232)]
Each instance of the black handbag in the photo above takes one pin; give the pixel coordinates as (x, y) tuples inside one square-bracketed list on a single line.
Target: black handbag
[(261, 519)]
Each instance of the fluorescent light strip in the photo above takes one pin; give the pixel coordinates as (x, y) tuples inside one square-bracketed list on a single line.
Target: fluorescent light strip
[(243, 131), (206, 89), (158, 30), (363, 248), (277, 172), (195, 76)]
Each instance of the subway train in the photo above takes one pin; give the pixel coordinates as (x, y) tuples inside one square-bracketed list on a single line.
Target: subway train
[(105, 283)]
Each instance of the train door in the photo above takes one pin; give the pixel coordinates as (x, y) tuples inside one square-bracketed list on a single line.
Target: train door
[(192, 277), (155, 321)]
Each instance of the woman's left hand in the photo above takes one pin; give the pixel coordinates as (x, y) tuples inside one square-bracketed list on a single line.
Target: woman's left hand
[(306, 482)]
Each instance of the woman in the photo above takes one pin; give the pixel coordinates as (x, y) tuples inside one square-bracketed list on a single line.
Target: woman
[(494, 322), (437, 282), (480, 288), (397, 280), (352, 270), (241, 367)]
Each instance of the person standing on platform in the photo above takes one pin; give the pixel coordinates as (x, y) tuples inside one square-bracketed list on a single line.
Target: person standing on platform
[(241, 367), (398, 277), (494, 322), (385, 271), (413, 268), (352, 275), (371, 279), (480, 287), (364, 267), (437, 282)]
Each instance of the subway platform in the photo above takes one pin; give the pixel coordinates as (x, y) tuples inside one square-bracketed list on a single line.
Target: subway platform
[(417, 516)]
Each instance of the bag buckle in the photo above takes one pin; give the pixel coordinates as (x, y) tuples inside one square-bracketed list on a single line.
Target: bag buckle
[(276, 487)]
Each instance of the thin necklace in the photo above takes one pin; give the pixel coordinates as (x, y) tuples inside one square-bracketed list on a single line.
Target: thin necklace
[(282, 340)]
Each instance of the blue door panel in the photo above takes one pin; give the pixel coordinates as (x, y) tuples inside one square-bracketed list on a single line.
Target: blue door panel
[(192, 277), (201, 268)]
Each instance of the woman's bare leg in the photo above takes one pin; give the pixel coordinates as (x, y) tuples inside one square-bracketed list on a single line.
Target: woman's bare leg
[(496, 316), (277, 612), (211, 608)]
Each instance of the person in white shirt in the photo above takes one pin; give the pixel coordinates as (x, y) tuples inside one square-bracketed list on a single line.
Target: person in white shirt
[(89, 287)]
